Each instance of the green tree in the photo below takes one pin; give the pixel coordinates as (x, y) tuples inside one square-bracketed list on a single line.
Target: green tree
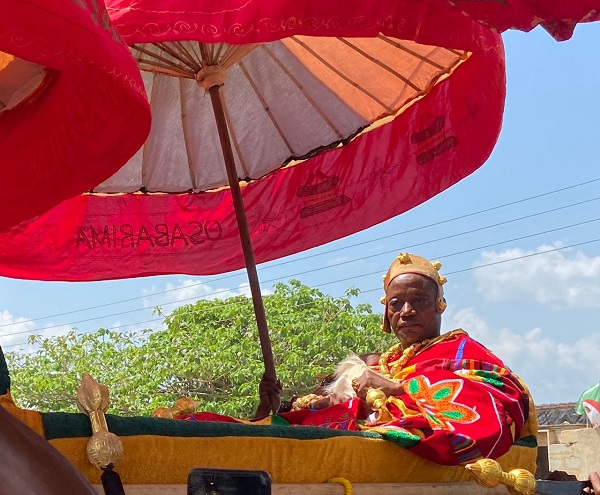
[(209, 351)]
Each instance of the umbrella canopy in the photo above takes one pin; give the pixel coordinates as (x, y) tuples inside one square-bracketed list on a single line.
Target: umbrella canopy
[(330, 134), (72, 104), (589, 405), (325, 146), (334, 116), (558, 17)]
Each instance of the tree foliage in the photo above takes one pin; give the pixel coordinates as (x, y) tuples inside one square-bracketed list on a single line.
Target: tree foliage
[(209, 351)]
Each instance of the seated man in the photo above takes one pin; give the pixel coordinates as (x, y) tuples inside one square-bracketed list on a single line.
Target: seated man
[(446, 397)]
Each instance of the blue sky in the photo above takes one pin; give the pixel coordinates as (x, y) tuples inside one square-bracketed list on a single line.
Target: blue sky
[(531, 214)]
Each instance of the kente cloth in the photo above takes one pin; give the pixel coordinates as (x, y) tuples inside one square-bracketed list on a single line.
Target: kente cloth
[(459, 403)]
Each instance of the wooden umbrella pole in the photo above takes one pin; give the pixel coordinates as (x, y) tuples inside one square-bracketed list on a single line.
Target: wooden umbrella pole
[(240, 213)]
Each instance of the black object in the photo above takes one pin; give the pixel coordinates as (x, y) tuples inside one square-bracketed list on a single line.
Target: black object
[(228, 482), (111, 481), (551, 487)]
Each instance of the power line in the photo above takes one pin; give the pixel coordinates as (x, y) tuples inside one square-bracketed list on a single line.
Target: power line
[(552, 210), (368, 290), (336, 281)]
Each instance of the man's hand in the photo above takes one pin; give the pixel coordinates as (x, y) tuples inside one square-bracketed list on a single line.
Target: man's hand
[(269, 393), (329, 400), (370, 379), (595, 479)]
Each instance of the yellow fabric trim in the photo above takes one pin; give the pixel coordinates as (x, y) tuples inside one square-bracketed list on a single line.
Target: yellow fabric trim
[(151, 459), (31, 418), (344, 482)]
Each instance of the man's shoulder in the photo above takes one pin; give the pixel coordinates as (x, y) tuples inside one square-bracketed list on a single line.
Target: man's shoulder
[(463, 339)]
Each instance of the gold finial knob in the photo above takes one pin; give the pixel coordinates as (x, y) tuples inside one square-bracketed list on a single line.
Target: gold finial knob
[(104, 448), (488, 473), (404, 258)]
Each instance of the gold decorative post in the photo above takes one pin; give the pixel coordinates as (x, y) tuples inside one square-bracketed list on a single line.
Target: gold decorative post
[(185, 405), (104, 448), (488, 473)]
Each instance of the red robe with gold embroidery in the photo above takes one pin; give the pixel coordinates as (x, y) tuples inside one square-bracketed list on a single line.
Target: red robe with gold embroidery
[(460, 403)]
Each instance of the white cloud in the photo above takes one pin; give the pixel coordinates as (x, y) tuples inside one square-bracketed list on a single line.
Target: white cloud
[(554, 371), (14, 332), (561, 279)]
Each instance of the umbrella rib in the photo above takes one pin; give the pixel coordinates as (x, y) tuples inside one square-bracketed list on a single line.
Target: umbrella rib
[(193, 63), (166, 63), (145, 148), (174, 50), (381, 64), (158, 68), (265, 106), (234, 138), (186, 137), (456, 52), (204, 54), (219, 49), (303, 91), (340, 74), (157, 56), (400, 46)]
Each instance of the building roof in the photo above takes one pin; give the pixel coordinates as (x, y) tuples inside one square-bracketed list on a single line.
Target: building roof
[(559, 414)]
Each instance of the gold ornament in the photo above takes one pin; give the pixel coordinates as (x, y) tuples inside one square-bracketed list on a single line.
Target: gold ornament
[(407, 354), (104, 448), (305, 401), (185, 405), (437, 265), (488, 473), (404, 258), (375, 398)]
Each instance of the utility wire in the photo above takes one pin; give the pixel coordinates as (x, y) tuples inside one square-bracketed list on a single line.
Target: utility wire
[(485, 265), (330, 283), (346, 247)]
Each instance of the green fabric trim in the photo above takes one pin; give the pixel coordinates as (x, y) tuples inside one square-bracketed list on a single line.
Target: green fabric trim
[(279, 421), (4, 375), (65, 425), (401, 438), (529, 441), (490, 377)]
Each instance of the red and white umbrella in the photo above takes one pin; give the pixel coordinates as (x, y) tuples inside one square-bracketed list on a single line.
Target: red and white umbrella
[(285, 124)]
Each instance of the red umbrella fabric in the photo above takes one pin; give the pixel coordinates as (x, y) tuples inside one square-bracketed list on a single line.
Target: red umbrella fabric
[(558, 17), (73, 108), (435, 140)]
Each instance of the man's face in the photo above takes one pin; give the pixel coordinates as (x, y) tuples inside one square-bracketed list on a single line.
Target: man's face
[(412, 308)]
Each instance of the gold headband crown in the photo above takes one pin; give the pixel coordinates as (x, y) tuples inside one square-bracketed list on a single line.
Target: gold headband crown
[(409, 263)]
